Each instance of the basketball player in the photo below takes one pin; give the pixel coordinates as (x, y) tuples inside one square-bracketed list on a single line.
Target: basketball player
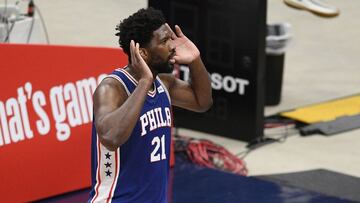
[(132, 110)]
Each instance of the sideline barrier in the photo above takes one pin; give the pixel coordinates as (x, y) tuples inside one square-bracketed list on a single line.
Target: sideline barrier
[(45, 117)]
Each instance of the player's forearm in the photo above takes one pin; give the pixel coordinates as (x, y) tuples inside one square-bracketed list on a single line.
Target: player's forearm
[(201, 84), (116, 127)]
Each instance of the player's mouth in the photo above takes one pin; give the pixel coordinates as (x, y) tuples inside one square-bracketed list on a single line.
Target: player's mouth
[(171, 55)]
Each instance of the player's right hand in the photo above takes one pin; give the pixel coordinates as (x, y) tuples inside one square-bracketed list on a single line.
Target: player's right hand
[(138, 63)]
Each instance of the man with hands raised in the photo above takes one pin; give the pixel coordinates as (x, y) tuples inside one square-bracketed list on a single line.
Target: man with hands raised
[(132, 110)]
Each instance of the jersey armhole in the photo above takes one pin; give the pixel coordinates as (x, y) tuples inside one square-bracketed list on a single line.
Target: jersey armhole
[(120, 81)]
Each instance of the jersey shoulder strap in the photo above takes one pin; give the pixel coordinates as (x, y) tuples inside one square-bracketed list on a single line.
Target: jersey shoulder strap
[(125, 79)]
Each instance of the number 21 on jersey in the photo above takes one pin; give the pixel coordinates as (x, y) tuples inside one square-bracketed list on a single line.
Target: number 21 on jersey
[(158, 154)]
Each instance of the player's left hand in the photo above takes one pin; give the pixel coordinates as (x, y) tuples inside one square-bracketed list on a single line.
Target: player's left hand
[(186, 51)]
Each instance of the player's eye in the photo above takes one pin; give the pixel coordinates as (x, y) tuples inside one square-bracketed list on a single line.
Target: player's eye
[(165, 40)]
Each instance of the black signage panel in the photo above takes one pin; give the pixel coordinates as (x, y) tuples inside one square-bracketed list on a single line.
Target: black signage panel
[(231, 37)]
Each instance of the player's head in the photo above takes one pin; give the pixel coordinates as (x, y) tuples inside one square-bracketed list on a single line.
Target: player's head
[(147, 27)]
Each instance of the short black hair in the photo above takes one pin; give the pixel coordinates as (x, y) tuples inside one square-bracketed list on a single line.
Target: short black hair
[(139, 27)]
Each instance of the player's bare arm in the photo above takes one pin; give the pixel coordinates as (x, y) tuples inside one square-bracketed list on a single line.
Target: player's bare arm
[(116, 114), (197, 95)]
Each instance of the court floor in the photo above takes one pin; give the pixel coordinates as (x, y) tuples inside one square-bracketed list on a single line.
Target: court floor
[(191, 183)]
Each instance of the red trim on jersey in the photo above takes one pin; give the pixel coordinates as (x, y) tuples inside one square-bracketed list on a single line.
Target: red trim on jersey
[(172, 150), (98, 173), (128, 76), (132, 79), (115, 178)]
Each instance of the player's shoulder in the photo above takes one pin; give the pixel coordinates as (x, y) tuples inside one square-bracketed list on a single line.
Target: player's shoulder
[(167, 79), (109, 82), (110, 86)]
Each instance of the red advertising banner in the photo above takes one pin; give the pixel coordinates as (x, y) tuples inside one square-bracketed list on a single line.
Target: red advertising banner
[(46, 115)]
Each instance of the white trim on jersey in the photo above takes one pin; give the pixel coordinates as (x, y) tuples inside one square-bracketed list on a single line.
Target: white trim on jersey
[(120, 80), (166, 90), (107, 173), (135, 82)]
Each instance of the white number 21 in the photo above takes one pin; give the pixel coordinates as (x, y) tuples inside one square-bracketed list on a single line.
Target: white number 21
[(155, 154)]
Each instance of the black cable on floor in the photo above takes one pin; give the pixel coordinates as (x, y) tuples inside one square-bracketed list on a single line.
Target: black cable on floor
[(7, 38), (268, 138)]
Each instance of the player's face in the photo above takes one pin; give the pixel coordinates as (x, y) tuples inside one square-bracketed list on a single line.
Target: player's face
[(161, 50)]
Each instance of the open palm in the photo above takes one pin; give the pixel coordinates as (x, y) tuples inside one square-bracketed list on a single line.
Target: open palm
[(186, 51)]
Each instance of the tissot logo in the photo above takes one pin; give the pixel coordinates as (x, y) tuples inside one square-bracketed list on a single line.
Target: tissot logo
[(227, 83)]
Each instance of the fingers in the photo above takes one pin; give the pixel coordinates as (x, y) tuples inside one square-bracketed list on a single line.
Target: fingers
[(173, 35), (175, 58), (135, 52), (172, 61), (132, 51), (178, 31)]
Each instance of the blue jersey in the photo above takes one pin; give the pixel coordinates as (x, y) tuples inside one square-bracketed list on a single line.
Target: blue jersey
[(137, 171)]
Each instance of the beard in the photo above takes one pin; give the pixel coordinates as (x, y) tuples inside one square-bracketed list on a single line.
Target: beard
[(163, 67)]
